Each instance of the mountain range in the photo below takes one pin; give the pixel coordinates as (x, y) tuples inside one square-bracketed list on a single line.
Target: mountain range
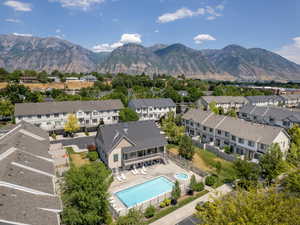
[(230, 63)]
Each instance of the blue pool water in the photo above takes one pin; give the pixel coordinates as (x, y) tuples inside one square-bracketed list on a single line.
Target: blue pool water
[(181, 176), (145, 191)]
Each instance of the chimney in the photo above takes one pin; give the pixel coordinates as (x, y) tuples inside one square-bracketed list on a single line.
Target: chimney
[(125, 128)]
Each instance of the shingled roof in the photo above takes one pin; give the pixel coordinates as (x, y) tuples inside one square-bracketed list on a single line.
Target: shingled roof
[(42, 108), (141, 134), (154, 102), (26, 177), (238, 127), (225, 99)]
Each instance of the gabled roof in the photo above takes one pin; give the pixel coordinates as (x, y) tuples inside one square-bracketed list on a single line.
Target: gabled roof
[(140, 134), (23, 109), (225, 99), (264, 98), (155, 102), (277, 113), (238, 127)]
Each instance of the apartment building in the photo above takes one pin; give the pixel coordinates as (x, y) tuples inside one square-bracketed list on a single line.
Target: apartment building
[(152, 109), (243, 137), (275, 116), (225, 102), (133, 144), (52, 116), (27, 177), (291, 101), (266, 100)]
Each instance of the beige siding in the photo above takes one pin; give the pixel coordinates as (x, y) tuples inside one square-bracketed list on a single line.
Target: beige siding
[(283, 140), (117, 150)]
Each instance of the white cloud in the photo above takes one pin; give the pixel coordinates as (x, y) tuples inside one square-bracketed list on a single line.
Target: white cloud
[(18, 6), (57, 30), (13, 20), (291, 51), (125, 39), (131, 38), (211, 13), (156, 31), (81, 4), (23, 35), (199, 39)]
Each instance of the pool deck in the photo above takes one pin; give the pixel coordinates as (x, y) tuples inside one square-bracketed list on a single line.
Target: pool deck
[(167, 170)]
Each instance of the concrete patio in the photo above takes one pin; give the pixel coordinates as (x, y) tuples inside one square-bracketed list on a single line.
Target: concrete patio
[(168, 170)]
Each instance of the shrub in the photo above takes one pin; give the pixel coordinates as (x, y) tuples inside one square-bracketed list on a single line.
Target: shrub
[(53, 136), (211, 180), (228, 149), (162, 205), (93, 156), (150, 211), (167, 201), (199, 187), (193, 182), (87, 133)]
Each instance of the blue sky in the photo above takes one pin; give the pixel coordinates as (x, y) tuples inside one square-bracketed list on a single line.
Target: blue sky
[(102, 25)]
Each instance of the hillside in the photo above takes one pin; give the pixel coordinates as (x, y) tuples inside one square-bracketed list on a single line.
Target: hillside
[(230, 63)]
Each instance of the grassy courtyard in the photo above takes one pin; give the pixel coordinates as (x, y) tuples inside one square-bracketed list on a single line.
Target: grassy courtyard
[(209, 162), (77, 159)]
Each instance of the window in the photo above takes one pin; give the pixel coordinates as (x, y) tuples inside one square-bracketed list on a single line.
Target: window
[(48, 115), (210, 130), (95, 120), (251, 143), (219, 132), (87, 121), (95, 113), (39, 116), (241, 140), (56, 115), (262, 146), (204, 128), (116, 157), (226, 134)]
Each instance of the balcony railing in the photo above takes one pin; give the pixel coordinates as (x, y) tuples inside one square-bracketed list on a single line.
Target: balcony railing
[(144, 157)]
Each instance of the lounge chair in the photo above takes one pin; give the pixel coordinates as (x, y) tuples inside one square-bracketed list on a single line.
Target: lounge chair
[(123, 176), (144, 168), (118, 178), (133, 172), (143, 172), (136, 171)]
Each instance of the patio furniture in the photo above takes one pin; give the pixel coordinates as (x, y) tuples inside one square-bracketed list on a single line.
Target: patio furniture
[(123, 176), (118, 178), (133, 172), (144, 168), (143, 172)]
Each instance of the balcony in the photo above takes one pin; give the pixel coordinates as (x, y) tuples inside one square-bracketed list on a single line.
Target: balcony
[(143, 158)]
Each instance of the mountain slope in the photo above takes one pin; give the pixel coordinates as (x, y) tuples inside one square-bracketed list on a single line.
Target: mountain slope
[(19, 52), (231, 62), (253, 63), (131, 59)]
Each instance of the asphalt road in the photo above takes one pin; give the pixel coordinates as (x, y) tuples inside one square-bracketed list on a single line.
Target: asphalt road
[(81, 142)]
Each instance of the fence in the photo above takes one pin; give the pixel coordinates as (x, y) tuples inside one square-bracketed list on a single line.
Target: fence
[(215, 150), (185, 164)]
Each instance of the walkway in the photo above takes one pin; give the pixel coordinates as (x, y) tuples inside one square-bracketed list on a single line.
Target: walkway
[(189, 209)]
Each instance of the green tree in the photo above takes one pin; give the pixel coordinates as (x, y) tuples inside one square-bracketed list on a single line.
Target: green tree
[(293, 155), (193, 182), (150, 211), (84, 195), (247, 172), (134, 217), (176, 191), (272, 163), (214, 108), (232, 113), (292, 182), (6, 108), (254, 207), (173, 131), (72, 124), (127, 114), (186, 147)]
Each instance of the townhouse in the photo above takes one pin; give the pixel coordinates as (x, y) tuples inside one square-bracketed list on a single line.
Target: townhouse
[(275, 116), (266, 100), (225, 102), (243, 137), (52, 116), (126, 145), (27, 191), (291, 100), (152, 109)]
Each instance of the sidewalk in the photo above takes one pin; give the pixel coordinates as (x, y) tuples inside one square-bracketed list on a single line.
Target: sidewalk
[(189, 209)]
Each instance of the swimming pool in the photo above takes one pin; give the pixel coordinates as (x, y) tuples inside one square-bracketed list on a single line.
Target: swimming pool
[(145, 191), (181, 176)]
